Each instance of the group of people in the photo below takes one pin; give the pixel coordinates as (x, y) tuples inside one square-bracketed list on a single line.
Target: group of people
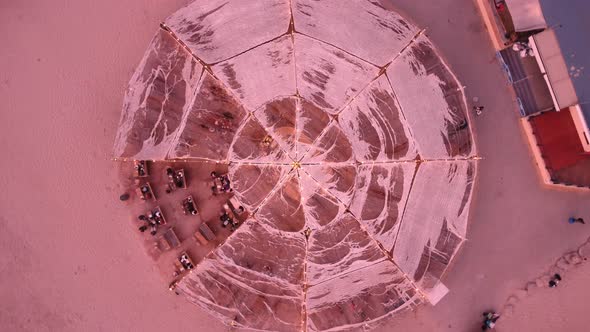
[(185, 261), (152, 220), (266, 141), (226, 220), (176, 179), (189, 206), (490, 318), (221, 183)]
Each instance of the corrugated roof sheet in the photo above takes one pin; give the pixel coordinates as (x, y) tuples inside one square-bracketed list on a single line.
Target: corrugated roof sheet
[(569, 20), (526, 14)]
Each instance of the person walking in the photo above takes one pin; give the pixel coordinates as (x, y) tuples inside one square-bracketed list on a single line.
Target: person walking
[(489, 320), (478, 110), (555, 280), (573, 220)]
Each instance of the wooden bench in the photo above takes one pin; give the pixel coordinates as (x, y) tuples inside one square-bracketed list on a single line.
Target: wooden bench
[(169, 240), (204, 234), (206, 231)]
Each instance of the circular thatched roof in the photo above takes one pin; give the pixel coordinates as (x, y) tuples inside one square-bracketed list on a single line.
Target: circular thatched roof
[(347, 140)]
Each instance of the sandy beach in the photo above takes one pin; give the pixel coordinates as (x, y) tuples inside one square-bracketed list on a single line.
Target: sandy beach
[(71, 262), (553, 309)]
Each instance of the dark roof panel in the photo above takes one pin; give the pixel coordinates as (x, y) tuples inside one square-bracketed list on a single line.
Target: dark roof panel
[(569, 20)]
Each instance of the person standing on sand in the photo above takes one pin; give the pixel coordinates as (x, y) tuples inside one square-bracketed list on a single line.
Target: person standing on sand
[(478, 110), (573, 220), (555, 280), (489, 321)]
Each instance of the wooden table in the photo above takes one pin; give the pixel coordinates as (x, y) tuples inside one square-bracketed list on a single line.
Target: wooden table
[(141, 169), (142, 195), (169, 240), (236, 207), (187, 201)]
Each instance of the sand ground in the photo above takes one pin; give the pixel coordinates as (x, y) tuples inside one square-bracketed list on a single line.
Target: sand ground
[(561, 309), (70, 262)]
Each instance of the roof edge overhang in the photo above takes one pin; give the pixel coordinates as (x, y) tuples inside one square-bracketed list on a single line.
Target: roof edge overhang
[(581, 126), (526, 15), (552, 64)]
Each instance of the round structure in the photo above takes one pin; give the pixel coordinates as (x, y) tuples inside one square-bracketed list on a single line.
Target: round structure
[(347, 140)]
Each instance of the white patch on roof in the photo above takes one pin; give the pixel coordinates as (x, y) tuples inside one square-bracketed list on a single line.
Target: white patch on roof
[(327, 76), (261, 74), (349, 27), (356, 292), (376, 127), (331, 147), (439, 201), (338, 180), (424, 86), (237, 279), (379, 199), (337, 162), (159, 93), (215, 30)]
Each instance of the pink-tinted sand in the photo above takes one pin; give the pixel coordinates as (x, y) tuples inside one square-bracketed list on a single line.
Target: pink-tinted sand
[(69, 261)]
